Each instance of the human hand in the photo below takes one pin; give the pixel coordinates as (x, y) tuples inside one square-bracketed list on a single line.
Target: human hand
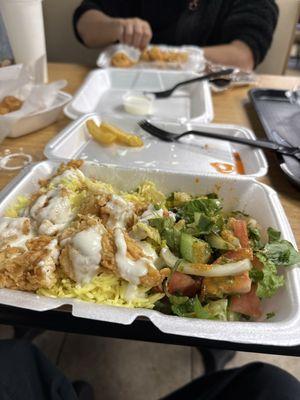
[(134, 32)]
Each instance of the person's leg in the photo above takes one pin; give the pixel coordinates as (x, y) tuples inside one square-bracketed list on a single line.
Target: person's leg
[(25, 373), (215, 359), (257, 381)]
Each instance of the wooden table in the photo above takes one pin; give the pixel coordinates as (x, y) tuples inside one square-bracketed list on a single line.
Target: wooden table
[(230, 107)]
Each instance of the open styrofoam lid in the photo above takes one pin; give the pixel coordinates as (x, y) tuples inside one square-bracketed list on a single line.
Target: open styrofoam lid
[(102, 92), (191, 155)]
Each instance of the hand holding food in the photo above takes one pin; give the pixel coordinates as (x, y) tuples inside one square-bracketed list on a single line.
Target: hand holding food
[(108, 134), (135, 32)]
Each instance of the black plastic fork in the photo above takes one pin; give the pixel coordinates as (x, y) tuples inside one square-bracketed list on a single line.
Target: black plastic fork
[(207, 77), (262, 144)]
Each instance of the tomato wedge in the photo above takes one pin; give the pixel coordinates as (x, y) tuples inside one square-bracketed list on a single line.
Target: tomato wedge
[(247, 304), (239, 227), (183, 285)]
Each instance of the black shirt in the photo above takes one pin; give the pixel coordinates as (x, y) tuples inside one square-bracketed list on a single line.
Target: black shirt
[(213, 22)]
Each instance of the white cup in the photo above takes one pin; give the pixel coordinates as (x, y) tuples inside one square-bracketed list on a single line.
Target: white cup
[(24, 23)]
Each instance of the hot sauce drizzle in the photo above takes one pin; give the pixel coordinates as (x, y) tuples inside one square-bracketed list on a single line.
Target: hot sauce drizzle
[(240, 169)]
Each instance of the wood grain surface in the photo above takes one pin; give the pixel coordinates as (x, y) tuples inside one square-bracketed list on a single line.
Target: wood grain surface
[(231, 107)]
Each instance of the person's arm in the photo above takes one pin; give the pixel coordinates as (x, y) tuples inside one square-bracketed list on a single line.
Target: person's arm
[(236, 54), (249, 26), (97, 30)]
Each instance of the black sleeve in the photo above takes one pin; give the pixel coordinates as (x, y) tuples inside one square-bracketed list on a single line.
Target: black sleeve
[(253, 22), (113, 8)]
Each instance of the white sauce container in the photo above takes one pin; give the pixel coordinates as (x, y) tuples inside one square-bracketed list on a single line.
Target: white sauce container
[(138, 103)]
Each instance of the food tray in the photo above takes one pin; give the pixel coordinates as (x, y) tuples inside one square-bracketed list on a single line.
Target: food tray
[(41, 119), (195, 63), (192, 155), (102, 91), (238, 193), (281, 121)]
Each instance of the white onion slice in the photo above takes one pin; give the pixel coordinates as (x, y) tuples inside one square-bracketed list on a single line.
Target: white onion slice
[(215, 270)]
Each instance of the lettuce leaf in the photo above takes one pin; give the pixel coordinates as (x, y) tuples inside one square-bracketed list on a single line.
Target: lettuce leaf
[(280, 252), (273, 235), (218, 309), (254, 236), (168, 232), (192, 308), (208, 206), (204, 225), (268, 281)]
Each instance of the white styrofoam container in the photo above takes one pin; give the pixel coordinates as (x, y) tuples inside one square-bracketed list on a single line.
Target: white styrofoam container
[(41, 119), (103, 90), (195, 63), (240, 193), (191, 155)]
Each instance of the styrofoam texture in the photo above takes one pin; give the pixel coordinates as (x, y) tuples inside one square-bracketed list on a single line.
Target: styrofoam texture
[(103, 90), (195, 63), (190, 155), (238, 193), (41, 119)]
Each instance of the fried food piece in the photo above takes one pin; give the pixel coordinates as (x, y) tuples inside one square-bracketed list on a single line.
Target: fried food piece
[(4, 109), (71, 165), (14, 232), (117, 212), (93, 203), (30, 269), (81, 255), (134, 252), (122, 60), (155, 54), (123, 137), (99, 134), (107, 134), (12, 102)]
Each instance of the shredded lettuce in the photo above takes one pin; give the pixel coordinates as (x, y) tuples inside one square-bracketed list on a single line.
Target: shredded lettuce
[(146, 193), (16, 209)]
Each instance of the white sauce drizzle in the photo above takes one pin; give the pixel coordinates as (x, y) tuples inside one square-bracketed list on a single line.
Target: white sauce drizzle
[(11, 232), (151, 213), (48, 264), (129, 270), (120, 212), (132, 292), (85, 253), (54, 216)]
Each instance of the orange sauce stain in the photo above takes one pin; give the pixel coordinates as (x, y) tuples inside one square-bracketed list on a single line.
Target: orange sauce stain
[(223, 168), (240, 169)]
